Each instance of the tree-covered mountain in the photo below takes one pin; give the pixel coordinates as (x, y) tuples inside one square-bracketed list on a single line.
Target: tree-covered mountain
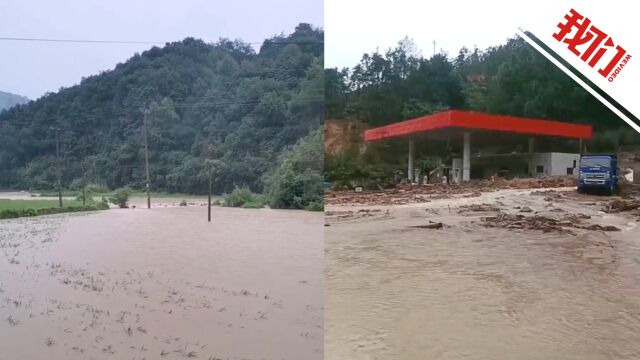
[(8, 100), (224, 102)]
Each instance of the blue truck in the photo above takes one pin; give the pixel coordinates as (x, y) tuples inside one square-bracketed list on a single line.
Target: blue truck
[(598, 174)]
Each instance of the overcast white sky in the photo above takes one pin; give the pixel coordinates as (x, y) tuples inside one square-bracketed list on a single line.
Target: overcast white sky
[(33, 68), (354, 27)]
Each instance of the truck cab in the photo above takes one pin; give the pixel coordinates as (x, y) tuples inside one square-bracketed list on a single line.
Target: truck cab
[(598, 173)]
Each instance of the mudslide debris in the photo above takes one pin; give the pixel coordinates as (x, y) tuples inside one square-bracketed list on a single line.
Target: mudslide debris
[(407, 194), (543, 223)]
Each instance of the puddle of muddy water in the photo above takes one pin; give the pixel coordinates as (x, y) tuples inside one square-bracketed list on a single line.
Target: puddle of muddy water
[(162, 284), (394, 291)]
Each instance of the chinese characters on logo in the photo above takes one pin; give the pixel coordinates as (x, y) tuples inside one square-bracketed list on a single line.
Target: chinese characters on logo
[(594, 44)]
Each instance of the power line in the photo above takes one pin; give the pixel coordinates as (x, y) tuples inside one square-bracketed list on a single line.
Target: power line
[(85, 41), (80, 41)]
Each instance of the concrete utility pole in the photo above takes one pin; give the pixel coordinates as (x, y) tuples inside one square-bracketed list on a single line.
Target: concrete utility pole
[(84, 181), (58, 167), (146, 156), (434, 47), (209, 206), (209, 168)]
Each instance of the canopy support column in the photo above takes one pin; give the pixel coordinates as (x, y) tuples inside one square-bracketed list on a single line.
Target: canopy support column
[(581, 149), (466, 157), (412, 149), (532, 145)]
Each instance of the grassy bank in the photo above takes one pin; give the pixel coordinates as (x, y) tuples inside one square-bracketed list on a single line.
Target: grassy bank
[(10, 209)]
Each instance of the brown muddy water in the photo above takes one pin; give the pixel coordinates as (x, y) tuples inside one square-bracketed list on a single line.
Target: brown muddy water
[(394, 291), (162, 284)]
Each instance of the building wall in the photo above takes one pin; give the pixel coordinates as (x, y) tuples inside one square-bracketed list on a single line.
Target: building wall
[(562, 162), (537, 160), (553, 164), (519, 165)]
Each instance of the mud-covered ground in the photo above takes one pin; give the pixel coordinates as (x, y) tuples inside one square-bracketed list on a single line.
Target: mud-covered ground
[(162, 284), (505, 274)]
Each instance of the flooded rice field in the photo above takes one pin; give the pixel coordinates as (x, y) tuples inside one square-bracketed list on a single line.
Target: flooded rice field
[(513, 274), (162, 284)]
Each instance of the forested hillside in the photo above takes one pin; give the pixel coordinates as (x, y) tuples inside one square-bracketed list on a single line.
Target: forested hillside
[(224, 102), (8, 100), (509, 79)]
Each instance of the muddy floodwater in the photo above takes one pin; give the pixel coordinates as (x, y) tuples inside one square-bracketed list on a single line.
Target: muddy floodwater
[(399, 287), (162, 284)]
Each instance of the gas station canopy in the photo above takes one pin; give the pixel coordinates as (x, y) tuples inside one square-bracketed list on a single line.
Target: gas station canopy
[(467, 120)]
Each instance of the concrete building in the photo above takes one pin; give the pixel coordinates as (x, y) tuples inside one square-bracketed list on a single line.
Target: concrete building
[(554, 164), (479, 158)]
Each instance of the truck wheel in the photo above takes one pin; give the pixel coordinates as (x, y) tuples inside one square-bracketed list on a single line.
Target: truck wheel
[(580, 190)]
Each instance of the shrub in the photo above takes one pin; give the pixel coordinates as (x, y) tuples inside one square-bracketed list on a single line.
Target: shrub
[(292, 190), (297, 182), (240, 196), (9, 214), (344, 171), (315, 206), (102, 205), (120, 197), (183, 202)]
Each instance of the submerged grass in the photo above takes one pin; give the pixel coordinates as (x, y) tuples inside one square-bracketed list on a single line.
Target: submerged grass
[(10, 209)]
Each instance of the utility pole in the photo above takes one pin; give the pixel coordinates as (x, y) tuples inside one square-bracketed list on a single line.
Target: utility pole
[(146, 156), (84, 180), (434, 47), (208, 165), (209, 211), (58, 168)]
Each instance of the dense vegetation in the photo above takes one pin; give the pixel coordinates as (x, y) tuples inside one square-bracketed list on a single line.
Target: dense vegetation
[(510, 79), (296, 183), (8, 100), (222, 102)]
